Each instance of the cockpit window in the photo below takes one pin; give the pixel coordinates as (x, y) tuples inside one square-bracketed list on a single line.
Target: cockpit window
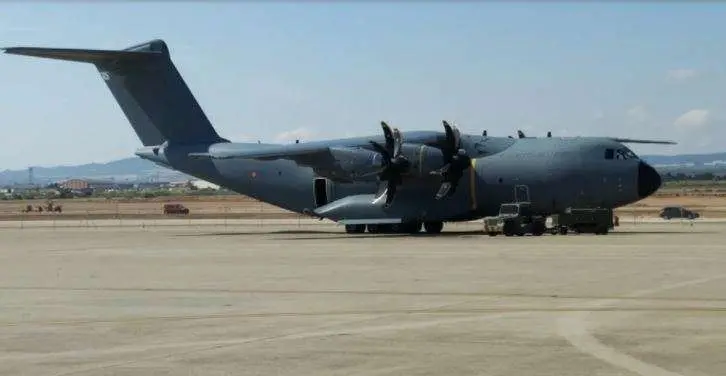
[(625, 153), (620, 154)]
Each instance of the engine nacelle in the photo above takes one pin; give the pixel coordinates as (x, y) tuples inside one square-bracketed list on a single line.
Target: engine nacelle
[(423, 159), (358, 161)]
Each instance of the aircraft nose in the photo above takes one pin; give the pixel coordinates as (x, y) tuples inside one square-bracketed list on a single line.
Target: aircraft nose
[(648, 180)]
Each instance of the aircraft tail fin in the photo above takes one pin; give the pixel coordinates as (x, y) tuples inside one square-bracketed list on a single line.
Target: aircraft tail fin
[(148, 88)]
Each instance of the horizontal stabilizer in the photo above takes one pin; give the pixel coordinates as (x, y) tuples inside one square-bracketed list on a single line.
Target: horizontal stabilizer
[(81, 55), (636, 141)]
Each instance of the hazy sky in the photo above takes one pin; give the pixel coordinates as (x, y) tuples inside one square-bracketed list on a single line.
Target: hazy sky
[(312, 70)]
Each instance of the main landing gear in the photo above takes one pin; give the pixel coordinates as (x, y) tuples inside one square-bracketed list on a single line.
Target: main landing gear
[(432, 227)]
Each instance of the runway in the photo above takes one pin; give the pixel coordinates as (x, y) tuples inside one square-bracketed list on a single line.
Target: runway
[(308, 299)]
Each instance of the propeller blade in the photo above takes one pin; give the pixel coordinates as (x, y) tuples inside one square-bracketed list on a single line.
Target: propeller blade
[(450, 137), (380, 197), (398, 142), (390, 192), (456, 161), (442, 171), (394, 163), (367, 174), (388, 134), (443, 190), (379, 148)]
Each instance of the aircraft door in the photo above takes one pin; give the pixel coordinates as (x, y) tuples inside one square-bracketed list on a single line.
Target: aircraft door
[(521, 193), (322, 191)]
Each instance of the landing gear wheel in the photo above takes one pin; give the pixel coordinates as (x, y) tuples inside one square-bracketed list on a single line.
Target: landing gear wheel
[(413, 227), (508, 229), (355, 229), (538, 228), (433, 227), (406, 228), (387, 228)]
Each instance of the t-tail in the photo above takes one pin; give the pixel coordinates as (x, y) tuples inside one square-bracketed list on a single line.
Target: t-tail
[(148, 88)]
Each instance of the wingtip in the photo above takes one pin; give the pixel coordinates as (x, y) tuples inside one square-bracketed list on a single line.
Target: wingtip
[(10, 50)]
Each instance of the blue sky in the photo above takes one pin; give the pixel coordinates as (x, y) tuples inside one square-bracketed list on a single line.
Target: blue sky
[(313, 70)]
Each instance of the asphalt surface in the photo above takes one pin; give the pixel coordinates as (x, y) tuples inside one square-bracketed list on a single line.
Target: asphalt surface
[(304, 298)]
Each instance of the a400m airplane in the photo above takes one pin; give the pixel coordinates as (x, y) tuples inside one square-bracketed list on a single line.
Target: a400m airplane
[(391, 182)]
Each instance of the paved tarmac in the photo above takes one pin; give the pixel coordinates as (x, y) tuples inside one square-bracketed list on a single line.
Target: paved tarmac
[(307, 299)]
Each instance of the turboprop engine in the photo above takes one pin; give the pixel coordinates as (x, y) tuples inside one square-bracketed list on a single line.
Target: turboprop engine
[(421, 161), (400, 161)]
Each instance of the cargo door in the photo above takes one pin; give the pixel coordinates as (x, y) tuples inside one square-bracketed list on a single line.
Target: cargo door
[(321, 191)]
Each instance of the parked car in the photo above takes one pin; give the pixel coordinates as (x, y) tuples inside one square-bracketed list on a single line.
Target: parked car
[(678, 212), (175, 209)]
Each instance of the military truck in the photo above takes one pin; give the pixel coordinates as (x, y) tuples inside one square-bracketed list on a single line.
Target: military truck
[(515, 218), (582, 220)]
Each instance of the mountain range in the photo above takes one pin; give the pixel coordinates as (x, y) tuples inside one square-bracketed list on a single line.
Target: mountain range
[(132, 169), (136, 169)]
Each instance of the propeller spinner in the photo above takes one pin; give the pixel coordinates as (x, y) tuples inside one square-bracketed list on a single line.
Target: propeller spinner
[(456, 161)]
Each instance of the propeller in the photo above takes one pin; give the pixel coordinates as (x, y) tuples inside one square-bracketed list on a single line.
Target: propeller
[(394, 163), (456, 161)]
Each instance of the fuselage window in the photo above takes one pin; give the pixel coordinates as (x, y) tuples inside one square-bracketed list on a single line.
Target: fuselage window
[(609, 153)]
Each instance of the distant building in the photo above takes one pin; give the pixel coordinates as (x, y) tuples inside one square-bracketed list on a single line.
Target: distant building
[(151, 185), (74, 184), (203, 184), (88, 186)]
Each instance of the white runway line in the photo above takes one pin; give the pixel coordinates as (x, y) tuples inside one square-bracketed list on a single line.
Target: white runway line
[(573, 327)]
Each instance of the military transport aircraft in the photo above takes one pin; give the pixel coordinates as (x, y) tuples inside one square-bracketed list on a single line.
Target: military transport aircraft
[(396, 181)]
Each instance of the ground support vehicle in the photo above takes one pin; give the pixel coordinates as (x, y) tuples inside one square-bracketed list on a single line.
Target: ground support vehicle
[(582, 220), (515, 219)]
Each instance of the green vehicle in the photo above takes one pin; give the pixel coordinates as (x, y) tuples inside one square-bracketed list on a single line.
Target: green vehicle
[(583, 220), (515, 219)]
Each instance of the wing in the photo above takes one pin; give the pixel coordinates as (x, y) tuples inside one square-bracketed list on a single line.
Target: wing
[(261, 151), (341, 163), (636, 141)]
